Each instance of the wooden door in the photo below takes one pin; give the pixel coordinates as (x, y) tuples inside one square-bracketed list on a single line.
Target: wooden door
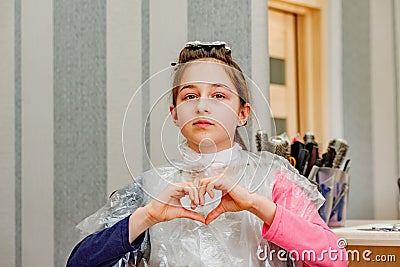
[(283, 73)]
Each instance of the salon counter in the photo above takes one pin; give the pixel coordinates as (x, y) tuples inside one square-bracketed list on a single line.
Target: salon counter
[(366, 247)]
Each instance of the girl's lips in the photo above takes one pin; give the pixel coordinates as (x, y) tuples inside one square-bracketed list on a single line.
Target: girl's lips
[(203, 123)]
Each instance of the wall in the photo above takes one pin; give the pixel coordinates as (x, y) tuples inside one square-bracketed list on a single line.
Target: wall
[(26, 121), (67, 72), (69, 68), (8, 214), (364, 91), (357, 104), (385, 109)]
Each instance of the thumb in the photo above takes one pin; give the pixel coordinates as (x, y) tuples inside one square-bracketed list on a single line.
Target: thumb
[(191, 215), (214, 214)]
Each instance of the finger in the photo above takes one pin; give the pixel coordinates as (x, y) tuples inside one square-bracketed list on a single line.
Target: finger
[(209, 189), (178, 195), (176, 190), (195, 194), (190, 190), (193, 205), (207, 186), (202, 191), (169, 193), (191, 215), (214, 214)]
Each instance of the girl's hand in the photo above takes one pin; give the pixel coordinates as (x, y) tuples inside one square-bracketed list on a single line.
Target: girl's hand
[(235, 197), (167, 205)]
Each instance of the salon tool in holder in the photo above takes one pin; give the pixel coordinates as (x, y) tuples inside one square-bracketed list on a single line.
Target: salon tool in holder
[(262, 140), (309, 137), (325, 172), (302, 160), (335, 154), (295, 149), (332, 180), (329, 157), (341, 148), (278, 145), (312, 160)]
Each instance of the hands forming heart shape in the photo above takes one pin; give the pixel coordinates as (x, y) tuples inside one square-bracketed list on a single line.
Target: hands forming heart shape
[(168, 204)]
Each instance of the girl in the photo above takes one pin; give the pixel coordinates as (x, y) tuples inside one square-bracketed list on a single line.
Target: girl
[(246, 209)]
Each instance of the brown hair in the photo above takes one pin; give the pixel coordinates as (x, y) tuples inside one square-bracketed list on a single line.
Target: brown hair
[(222, 54)]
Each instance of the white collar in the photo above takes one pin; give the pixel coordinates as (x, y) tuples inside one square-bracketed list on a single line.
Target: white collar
[(223, 157)]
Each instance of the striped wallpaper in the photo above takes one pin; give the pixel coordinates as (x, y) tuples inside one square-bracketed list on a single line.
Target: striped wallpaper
[(69, 68)]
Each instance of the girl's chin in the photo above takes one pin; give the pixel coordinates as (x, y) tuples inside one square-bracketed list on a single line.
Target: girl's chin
[(208, 146)]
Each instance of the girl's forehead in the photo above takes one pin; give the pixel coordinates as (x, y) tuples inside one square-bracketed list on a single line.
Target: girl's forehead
[(206, 72)]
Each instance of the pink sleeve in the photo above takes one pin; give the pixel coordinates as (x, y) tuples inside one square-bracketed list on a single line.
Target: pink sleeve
[(305, 236)]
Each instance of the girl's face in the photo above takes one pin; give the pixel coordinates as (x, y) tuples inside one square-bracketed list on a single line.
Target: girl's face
[(208, 107)]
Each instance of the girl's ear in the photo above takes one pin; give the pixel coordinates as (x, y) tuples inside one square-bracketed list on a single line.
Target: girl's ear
[(244, 114), (174, 115)]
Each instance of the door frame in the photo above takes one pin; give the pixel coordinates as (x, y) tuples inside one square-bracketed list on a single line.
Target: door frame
[(312, 65)]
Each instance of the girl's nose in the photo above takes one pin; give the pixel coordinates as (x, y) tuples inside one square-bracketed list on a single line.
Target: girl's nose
[(203, 105)]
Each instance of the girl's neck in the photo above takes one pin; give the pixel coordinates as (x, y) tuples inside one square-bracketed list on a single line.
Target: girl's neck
[(209, 148)]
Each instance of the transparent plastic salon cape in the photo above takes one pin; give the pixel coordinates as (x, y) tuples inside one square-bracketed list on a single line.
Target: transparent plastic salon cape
[(233, 239)]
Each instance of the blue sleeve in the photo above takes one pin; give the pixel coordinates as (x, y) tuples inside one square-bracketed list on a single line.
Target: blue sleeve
[(104, 248)]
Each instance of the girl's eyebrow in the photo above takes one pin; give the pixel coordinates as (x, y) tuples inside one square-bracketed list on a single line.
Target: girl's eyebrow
[(226, 87), (186, 86), (213, 85)]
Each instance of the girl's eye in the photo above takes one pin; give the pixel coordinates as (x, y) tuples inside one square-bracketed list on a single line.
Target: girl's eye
[(189, 97), (219, 95)]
